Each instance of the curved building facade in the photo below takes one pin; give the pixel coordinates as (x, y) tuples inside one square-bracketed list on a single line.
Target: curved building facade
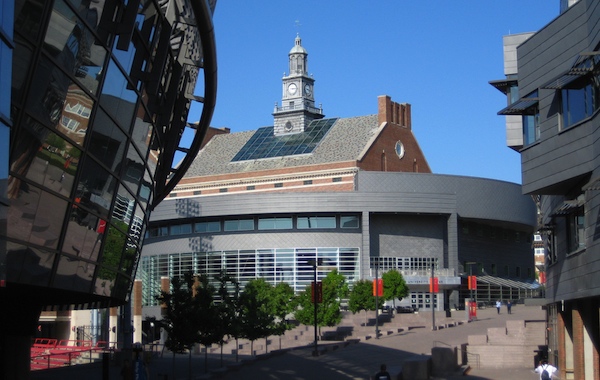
[(403, 221), (100, 96)]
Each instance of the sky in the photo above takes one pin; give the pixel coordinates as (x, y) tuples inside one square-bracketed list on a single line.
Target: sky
[(437, 55)]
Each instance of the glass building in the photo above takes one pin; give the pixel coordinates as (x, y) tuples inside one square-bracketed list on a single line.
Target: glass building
[(94, 98)]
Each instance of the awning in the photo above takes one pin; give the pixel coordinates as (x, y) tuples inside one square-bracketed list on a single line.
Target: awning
[(503, 85), (520, 107), (515, 284), (567, 207), (585, 63)]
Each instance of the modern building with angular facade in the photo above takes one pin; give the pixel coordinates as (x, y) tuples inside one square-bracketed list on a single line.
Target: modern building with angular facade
[(557, 81), (94, 97), (356, 193)]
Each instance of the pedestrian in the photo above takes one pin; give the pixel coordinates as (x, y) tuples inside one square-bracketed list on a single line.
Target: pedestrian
[(508, 306), (546, 370), (498, 306), (383, 374)]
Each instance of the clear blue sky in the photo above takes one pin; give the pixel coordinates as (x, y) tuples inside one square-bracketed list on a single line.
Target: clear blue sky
[(437, 55)]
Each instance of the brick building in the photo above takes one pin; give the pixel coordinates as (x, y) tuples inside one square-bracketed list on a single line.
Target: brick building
[(357, 192)]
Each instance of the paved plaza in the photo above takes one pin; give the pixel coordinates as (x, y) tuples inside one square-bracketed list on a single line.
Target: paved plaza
[(340, 361)]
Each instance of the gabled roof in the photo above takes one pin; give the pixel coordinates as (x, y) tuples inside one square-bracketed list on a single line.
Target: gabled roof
[(346, 140)]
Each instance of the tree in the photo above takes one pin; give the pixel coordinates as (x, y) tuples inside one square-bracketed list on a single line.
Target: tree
[(255, 310), (208, 317), (328, 312), (229, 309), (394, 286), (180, 318), (362, 298), (283, 303)]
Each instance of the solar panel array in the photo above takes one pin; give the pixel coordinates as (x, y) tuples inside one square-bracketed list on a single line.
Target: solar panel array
[(264, 143)]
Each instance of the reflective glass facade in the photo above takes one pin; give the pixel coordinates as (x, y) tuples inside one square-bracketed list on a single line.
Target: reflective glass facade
[(94, 96)]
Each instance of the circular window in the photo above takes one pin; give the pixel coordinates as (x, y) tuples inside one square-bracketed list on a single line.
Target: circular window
[(399, 149), (288, 126)]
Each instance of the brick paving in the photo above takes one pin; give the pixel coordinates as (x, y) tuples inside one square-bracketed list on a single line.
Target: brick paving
[(340, 360)]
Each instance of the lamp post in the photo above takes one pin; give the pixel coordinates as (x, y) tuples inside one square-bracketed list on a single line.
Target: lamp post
[(315, 263), (377, 298), (470, 264)]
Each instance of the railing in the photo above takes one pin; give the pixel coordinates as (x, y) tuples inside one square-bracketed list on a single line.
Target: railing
[(463, 353), (50, 353)]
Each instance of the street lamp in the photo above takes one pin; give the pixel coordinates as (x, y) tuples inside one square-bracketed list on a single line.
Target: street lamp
[(315, 263), (470, 264)]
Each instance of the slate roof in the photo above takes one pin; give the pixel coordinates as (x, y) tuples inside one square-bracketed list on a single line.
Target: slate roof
[(345, 141)]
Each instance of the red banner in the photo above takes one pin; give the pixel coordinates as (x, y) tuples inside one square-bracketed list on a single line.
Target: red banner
[(472, 282), (434, 287), (378, 287)]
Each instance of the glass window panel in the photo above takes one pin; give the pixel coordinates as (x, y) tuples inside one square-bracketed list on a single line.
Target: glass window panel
[(44, 157), (142, 135), (73, 274), (316, 222), (36, 216), (73, 45), (84, 234), (96, 188), (239, 225), (112, 251), (116, 98), (214, 226), (181, 229), (29, 18), (129, 257), (108, 142), (349, 222), (145, 195), (134, 169), (28, 264), (124, 206)]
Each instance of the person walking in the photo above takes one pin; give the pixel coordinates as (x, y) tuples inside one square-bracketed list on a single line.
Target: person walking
[(545, 370), (383, 374), (508, 306), (498, 306)]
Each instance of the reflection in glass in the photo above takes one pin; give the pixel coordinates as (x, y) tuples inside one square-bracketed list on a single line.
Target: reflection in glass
[(116, 98), (72, 44), (73, 274), (134, 169), (96, 188), (55, 162), (113, 250), (108, 141), (142, 134), (84, 234), (28, 264), (36, 216)]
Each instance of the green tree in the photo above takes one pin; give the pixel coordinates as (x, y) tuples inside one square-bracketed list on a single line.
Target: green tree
[(361, 297), (256, 312), (229, 309), (394, 286), (181, 312), (283, 303), (335, 288), (208, 318)]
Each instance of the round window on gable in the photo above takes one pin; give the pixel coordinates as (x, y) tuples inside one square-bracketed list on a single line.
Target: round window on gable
[(399, 149)]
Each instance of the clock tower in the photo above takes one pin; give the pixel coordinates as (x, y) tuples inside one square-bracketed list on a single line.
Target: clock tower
[(297, 108)]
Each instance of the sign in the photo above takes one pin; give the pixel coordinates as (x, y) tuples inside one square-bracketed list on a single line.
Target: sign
[(472, 281), (472, 308), (378, 287), (318, 292), (434, 285)]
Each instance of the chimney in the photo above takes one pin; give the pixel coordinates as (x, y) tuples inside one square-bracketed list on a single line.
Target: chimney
[(392, 112)]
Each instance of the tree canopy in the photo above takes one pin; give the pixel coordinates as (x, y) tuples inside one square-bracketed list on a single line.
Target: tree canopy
[(394, 286)]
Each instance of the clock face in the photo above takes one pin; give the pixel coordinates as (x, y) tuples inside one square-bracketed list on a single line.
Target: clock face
[(307, 90), (292, 88)]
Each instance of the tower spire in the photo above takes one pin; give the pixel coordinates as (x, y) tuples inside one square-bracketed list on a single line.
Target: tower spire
[(297, 103)]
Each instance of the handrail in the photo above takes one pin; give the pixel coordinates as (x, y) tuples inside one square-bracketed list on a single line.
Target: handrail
[(476, 356)]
